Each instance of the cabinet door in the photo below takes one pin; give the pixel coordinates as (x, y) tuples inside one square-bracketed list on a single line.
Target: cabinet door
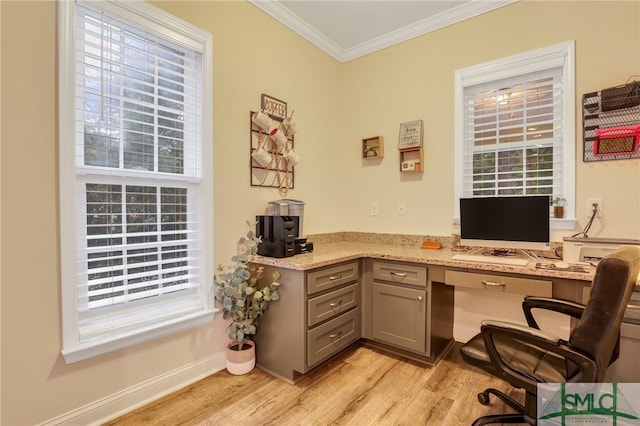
[(398, 316)]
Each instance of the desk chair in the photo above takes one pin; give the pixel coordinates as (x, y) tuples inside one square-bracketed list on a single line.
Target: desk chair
[(525, 356)]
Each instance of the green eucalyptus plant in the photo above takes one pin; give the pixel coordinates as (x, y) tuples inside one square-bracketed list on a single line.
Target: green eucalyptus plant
[(237, 289)]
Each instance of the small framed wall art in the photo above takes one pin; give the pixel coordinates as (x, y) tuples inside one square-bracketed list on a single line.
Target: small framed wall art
[(373, 147), (410, 135)]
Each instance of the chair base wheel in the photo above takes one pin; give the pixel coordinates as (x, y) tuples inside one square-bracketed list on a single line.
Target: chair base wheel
[(483, 398), (502, 418)]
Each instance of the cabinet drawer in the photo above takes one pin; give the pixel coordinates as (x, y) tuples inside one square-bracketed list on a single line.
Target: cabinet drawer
[(328, 305), (328, 278), (328, 338), (400, 273), (499, 283)]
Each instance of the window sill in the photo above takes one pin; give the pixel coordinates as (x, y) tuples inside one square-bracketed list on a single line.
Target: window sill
[(563, 224), (87, 350)]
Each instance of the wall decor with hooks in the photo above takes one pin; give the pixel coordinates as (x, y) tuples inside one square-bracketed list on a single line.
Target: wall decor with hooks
[(611, 123), (273, 157)]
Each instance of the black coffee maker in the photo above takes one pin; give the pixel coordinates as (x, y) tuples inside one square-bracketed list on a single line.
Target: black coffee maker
[(278, 234), (281, 230)]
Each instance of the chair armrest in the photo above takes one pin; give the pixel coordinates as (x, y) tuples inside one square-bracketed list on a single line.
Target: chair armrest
[(566, 307), (524, 330), (532, 336)]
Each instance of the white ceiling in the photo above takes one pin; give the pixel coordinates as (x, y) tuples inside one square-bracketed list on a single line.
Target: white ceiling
[(348, 29)]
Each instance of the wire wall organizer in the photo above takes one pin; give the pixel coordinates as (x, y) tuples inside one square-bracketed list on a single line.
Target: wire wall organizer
[(611, 123), (272, 140)]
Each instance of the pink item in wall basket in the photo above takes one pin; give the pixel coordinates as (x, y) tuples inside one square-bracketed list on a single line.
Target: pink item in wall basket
[(616, 140)]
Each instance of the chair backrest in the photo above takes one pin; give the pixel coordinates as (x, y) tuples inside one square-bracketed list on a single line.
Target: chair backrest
[(597, 331)]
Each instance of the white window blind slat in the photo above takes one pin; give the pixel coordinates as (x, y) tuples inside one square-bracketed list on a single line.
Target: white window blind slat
[(119, 293), (120, 268)]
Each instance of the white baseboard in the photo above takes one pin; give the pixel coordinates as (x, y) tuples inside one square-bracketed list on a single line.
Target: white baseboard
[(126, 400)]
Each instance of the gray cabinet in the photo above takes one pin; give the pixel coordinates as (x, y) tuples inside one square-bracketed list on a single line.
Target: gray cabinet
[(328, 305), (330, 298), (406, 312), (332, 277), (332, 336), (398, 316), (318, 315), (499, 283)]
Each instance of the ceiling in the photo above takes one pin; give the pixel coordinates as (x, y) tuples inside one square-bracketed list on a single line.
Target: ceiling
[(348, 29)]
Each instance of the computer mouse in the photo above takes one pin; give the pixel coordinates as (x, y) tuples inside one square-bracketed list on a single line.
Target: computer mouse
[(561, 265)]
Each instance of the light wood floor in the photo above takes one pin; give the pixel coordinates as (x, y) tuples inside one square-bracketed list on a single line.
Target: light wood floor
[(360, 386)]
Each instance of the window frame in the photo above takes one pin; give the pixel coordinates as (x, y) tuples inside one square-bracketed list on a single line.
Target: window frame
[(152, 19), (558, 55)]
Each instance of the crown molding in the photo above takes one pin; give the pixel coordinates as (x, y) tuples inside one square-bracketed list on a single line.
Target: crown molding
[(425, 26), (276, 10), (465, 11)]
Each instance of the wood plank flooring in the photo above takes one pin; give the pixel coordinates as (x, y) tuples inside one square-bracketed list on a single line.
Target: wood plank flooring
[(360, 386)]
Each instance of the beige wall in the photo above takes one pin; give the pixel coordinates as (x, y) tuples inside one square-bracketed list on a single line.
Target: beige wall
[(414, 80), (336, 106), (36, 383)]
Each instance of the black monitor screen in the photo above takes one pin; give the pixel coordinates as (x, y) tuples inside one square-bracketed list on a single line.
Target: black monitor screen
[(510, 222)]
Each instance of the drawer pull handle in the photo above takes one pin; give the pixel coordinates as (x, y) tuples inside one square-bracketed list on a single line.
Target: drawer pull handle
[(331, 336), (334, 304), (398, 274), (335, 277), (493, 284)]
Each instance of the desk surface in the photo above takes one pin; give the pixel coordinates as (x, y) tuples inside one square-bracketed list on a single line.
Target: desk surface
[(331, 253)]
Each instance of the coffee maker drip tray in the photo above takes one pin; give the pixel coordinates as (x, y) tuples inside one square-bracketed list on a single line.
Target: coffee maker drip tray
[(276, 248), (302, 246)]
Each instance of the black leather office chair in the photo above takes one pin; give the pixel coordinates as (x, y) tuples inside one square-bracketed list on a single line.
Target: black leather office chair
[(525, 356)]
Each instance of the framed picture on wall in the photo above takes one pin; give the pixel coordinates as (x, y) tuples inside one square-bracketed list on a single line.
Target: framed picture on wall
[(410, 135)]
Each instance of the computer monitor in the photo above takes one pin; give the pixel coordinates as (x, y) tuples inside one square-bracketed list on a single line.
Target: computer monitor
[(520, 222)]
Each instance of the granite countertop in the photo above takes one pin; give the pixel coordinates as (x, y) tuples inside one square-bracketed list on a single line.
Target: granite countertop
[(331, 252)]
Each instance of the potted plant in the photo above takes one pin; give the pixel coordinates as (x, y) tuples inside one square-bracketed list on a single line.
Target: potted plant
[(558, 207), (371, 151), (243, 300)]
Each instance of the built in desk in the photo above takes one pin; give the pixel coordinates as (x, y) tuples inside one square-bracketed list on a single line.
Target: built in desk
[(398, 297)]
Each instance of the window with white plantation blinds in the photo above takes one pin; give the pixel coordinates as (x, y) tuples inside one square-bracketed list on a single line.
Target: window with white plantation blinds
[(513, 136), (141, 259), (515, 127)]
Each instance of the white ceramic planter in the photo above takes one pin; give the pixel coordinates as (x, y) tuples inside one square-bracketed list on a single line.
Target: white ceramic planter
[(241, 362)]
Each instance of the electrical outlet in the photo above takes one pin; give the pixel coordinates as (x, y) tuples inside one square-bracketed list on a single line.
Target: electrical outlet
[(402, 208), (374, 209), (590, 203)]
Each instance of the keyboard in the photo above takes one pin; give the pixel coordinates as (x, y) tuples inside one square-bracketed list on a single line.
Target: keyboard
[(498, 260)]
